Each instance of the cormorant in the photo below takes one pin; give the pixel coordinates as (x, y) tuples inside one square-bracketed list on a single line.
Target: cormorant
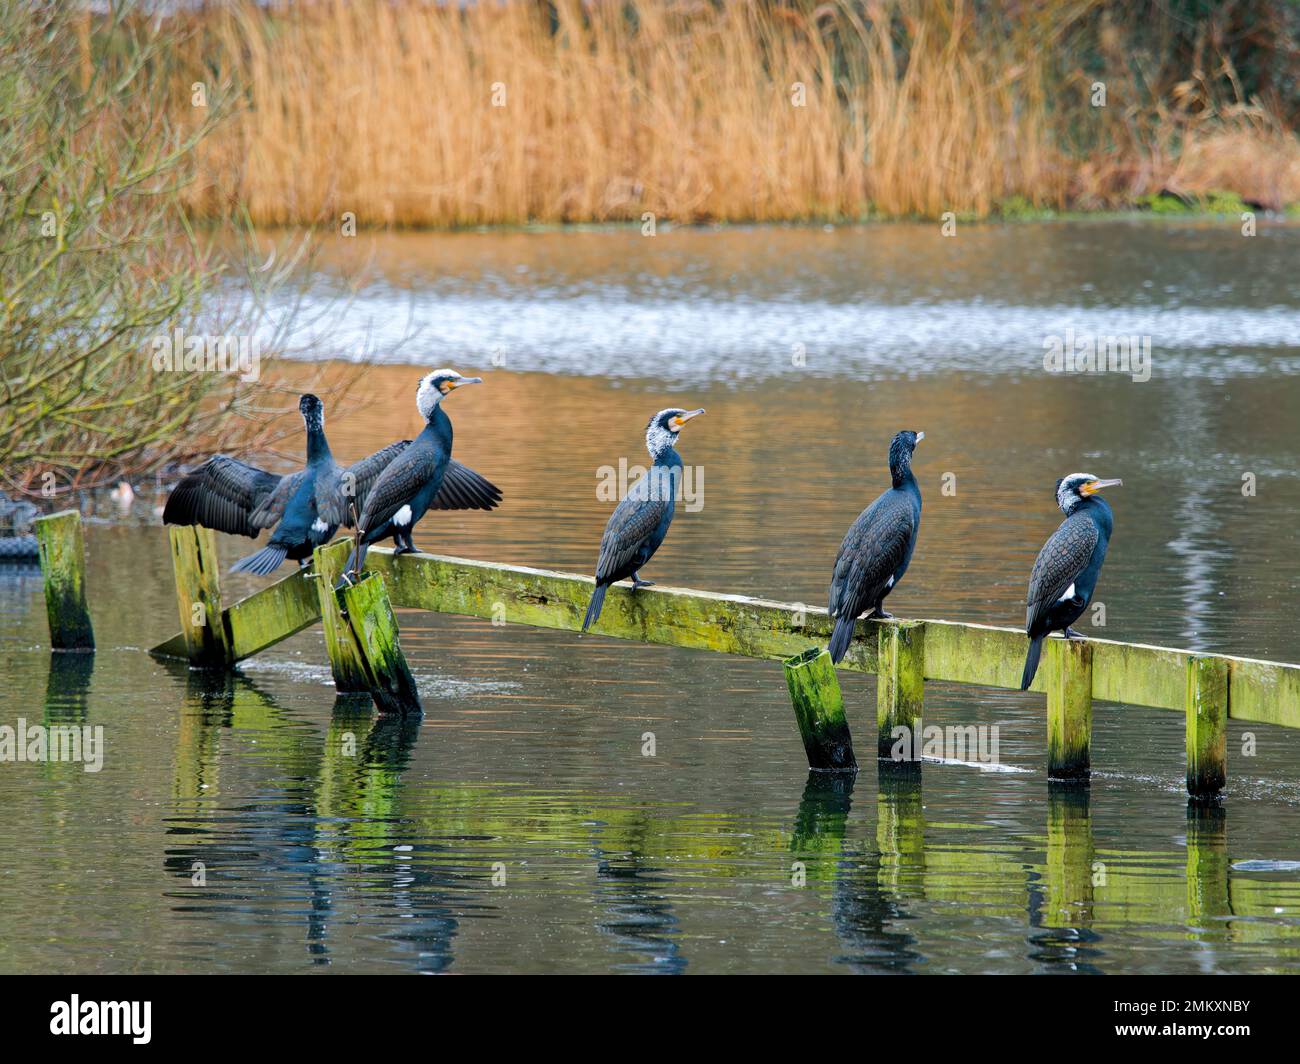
[(1065, 574), (877, 549), (423, 477), (639, 523)]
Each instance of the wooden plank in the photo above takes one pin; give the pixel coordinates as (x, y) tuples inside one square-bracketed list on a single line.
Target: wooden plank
[(63, 573), (261, 620)]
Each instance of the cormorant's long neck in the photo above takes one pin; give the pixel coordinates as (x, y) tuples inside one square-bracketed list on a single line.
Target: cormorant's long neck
[(666, 456), (901, 474), (439, 426), (1099, 510), (318, 448)]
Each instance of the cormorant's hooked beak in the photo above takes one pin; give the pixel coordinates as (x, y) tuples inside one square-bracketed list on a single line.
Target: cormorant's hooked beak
[(681, 419), (920, 436), (1094, 486), (452, 385)]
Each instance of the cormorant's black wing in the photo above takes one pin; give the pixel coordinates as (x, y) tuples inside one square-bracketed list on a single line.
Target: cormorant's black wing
[(872, 551), (397, 485), (463, 489), (630, 525), (334, 501), (1063, 557), (228, 495)]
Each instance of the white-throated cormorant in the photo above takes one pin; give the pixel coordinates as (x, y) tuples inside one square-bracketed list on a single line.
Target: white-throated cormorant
[(423, 477), (640, 521), (877, 549), (1065, 574)]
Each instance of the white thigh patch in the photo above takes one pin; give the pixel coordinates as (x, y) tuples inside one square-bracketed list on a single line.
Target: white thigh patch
[(1069, 594), (403, 516), (318, 525)]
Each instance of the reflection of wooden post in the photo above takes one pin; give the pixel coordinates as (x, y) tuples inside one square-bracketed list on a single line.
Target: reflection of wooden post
[(819, 710), (374, 627), (900, 684), (63, 568), (1207, 726), (900, 827), (1069, 894), (198, 595), (345, 656), (1207, 864), (1069, 709)]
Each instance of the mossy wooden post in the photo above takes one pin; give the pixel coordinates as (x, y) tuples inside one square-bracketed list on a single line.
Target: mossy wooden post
[(198, 596), (63, 569), (374, 627), (819, 710), (900, 685), (1207, 727), (1069, 709), (345, 656)]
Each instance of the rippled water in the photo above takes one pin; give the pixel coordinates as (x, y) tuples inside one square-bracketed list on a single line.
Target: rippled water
[(518, 826)]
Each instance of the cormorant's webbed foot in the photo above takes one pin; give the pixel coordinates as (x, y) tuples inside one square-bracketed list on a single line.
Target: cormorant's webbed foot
[(1070, 633), (879, 614), (637, 582)]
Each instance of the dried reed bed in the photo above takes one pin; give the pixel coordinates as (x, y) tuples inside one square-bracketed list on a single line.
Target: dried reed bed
[(411, 113)]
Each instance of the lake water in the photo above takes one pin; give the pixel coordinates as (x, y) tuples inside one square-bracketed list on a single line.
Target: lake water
[(518, 827)]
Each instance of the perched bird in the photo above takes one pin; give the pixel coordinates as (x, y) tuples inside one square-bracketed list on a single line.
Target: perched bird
[(423, 477), (639, 523), (877, 549), (228, 495), (1065, 574), (305, 508)]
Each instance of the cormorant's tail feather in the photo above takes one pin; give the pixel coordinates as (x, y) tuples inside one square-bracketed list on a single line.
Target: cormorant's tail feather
[(265, 561), (594, 607), (842, 637), (1031, 662), (353, 565)]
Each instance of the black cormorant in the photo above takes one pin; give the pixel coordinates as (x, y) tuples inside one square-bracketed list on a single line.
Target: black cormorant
[(639, 523), (877, 549), (1065, 574), (421, 478)]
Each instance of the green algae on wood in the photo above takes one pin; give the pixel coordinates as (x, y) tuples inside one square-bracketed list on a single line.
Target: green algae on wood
[(198, 595), (373, 625), (1207, 726), (259, 621), (819, 711), (346, 662), (63, 572), (1069, 709), (900, 687)]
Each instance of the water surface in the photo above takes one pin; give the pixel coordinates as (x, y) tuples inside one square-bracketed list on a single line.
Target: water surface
[(518, 827)]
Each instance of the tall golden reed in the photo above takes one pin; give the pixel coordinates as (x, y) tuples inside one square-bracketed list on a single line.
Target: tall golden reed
[(424, 113)]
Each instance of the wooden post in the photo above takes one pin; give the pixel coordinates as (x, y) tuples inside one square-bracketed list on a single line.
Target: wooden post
[(1207, 727), (819, 710), (373, 626), (63, 569), (198, 596), (900, 685), (1069, 709), (346, 661)]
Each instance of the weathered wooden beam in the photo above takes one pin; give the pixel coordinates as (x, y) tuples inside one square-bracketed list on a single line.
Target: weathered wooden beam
[(1069, 709), (819, 711), (259, 621), (1262, 691), (346, 661), (370, 617), (63, 572), (900, 685), (1207, 727)]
